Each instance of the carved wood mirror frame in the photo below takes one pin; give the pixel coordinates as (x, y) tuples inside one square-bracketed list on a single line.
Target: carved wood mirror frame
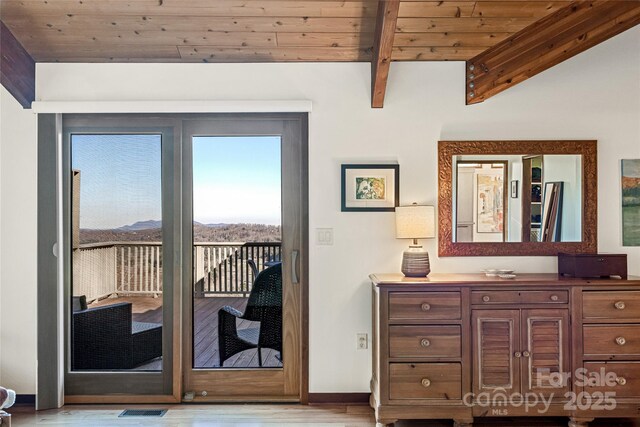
[(448, 149)]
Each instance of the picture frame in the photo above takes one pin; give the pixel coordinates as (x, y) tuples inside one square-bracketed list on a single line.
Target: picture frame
[(630, 189), (514, 189), (370, 187), (491, 200)]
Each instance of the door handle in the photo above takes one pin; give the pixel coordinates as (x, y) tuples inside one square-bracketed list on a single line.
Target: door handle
[(294, 267)]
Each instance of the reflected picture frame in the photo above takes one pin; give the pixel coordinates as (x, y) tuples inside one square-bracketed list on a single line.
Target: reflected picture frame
[(514, 189), (369, 187)]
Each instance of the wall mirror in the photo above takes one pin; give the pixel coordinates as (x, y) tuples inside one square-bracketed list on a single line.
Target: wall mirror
[(506, 198)]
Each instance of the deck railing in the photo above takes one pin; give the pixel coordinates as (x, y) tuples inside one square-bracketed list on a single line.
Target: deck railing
[(222, 268), (135, 268)]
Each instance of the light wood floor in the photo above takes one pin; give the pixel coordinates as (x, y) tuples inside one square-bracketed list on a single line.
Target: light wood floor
[(148, 309), (249, 415)]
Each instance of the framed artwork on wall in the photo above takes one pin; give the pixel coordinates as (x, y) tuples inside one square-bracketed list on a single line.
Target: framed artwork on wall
[(370, 187), (630, 202), (490, 200)]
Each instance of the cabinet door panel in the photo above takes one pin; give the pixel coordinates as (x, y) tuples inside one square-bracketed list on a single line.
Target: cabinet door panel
[(496, 340), (545, 349)]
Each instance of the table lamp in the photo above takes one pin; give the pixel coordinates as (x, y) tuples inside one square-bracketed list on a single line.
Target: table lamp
[(415, 222)]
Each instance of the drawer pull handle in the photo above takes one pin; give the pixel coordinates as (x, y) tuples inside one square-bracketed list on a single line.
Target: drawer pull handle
[(621, 380), (554, 297), (621, 341), (425, 307), (517, 354), (620, 305), (486, 298), (425, 342), (426, 382), (526, 354)]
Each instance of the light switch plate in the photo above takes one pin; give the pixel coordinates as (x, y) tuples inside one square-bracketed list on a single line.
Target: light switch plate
[(324, 236)]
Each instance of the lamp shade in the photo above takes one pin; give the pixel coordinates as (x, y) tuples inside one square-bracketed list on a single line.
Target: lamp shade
[(415, 222)]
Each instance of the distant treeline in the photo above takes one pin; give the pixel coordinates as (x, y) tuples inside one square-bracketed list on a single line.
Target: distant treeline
[(201, 233), (631, 196)]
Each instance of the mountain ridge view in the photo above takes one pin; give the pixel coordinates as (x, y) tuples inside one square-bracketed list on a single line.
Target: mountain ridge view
[(151, 231)]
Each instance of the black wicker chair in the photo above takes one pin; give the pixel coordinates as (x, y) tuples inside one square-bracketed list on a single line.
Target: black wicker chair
[(106, 338), (264, 306)]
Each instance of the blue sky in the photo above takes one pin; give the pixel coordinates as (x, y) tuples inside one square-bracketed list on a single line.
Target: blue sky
[(236, 179), (631, 168)]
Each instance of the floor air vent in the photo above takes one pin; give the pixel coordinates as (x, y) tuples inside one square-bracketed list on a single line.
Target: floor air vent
[(143, 413)]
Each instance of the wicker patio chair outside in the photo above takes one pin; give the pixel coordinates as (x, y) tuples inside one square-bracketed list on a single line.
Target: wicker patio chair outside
[(264, 306), (107, 338), (254, 268)]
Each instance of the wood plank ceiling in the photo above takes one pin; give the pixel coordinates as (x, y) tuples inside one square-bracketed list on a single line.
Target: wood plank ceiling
[(259, 30), (503, 41)]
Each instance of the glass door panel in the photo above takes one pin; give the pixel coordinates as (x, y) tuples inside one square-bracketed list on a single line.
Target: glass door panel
[(236, 236), (116, 282), (244, 227), (118, 228)]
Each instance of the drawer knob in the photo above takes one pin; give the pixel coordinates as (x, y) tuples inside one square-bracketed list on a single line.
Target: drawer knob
[(621, 341), (526, 354), (426, 382), (425, 342), (620, 305), (554, 297), (425, 307), (621, 380), (517, 354), (486, 298)]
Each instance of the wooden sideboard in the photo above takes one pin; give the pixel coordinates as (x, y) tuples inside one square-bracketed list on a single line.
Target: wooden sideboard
[(461, 346)]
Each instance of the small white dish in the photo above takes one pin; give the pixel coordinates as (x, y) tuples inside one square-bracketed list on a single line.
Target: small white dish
[(491, 272), (505, 272), (507, 276)]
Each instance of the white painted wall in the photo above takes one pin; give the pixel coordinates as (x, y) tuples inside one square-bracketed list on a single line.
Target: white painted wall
[(595, 95), (567, 169), (18, 215)]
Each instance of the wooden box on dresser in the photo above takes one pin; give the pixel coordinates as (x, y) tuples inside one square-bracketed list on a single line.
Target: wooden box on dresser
[(459, 346)]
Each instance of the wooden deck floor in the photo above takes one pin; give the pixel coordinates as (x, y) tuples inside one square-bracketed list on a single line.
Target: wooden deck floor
[(148, 309)]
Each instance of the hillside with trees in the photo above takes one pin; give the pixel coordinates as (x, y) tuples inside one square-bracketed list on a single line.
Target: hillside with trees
[(151, 231)]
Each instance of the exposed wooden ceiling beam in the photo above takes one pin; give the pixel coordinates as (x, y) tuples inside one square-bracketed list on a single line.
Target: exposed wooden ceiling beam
[(17, 68), (382, 49), (547, 42)]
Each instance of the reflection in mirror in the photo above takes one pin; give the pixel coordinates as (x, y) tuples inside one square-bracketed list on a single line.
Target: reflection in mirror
[(516, 198)]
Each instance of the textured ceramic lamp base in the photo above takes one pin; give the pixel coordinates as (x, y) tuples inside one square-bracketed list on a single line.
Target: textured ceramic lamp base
[(415, 262)]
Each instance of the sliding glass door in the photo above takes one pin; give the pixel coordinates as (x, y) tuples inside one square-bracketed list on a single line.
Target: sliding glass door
[(185, 265), (243, 222), (119, 222)]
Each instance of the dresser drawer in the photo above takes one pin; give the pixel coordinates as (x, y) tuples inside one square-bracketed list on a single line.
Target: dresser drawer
[(625, 381), (518, 297), (424, 305), (495, 297), (611, 339), (424, 341), (611, 305), (425, 381)]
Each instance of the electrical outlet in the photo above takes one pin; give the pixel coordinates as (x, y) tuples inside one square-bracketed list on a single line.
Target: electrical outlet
[(363, 341)]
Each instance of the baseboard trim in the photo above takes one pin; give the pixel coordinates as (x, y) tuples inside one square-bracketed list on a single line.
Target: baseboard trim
[(26, 399), (339, 398)]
